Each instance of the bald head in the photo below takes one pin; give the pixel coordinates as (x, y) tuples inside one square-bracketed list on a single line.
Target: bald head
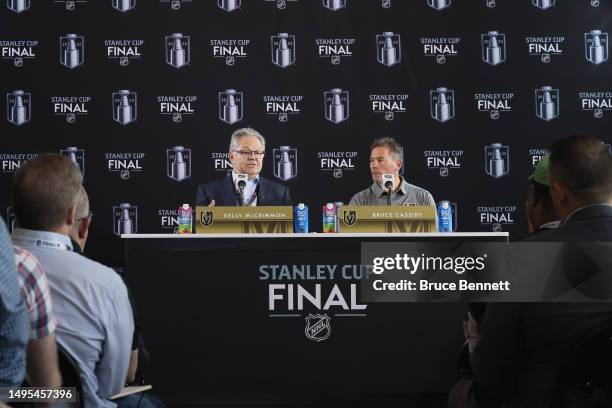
[(583, 165)]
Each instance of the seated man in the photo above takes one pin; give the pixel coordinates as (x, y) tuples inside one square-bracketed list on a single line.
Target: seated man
[(42, 362), (518, 348), (90, 300), (386, 157), (13, 317), (246, 152)]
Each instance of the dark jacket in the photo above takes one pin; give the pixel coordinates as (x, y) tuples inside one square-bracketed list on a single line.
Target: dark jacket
[(523, 345), (222, 191)]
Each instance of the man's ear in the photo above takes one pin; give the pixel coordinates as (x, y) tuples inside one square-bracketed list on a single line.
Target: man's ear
[(71, 216), (84, 227), (558, 193), (399, 164)]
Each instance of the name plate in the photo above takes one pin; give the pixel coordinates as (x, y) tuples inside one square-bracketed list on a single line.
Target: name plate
[(387, 218), (244, 220)]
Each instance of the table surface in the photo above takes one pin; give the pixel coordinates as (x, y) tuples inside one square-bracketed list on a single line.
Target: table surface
[(325, 236)]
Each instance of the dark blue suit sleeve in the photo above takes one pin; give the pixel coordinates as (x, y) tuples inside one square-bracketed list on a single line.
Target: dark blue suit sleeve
[(202, 197)]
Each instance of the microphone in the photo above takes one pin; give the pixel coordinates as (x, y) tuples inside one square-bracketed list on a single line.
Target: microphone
[(387, 182), (240, 184)]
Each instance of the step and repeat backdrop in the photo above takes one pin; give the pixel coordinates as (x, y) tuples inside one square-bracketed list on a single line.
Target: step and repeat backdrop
[(144, 94)]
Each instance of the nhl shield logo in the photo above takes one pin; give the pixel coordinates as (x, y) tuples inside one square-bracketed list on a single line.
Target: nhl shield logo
[(125, 106), (334, 5), (18, 5), (389, 49), (317, 327), (283, 49), (230, 106), (497, 160), (281, 4), (491, 3), (125, 219), (544, 4), (178, 50), (206, 218), (596, 46), (350, 217), (336, 105), (547, 103), (72, 50), (442, 104), (229, 5), (285, 163), (124, 5), (18, 107), (493, 46), (76, 155), (439, 4), (178, 163), (386, 4), (595, 3)]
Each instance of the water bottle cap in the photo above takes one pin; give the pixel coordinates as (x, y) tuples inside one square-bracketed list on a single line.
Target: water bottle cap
[(301, 206), (330, 206), (185, 206)]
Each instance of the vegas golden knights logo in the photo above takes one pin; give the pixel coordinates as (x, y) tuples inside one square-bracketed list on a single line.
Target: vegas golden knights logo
[(350, 217), (206, 218)]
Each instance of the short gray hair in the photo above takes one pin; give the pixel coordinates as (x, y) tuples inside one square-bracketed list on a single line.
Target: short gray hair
[(242, 133), (395, 149)]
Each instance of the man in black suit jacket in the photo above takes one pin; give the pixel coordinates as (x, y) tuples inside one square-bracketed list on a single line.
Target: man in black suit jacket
[(246, 153), (521, 347)]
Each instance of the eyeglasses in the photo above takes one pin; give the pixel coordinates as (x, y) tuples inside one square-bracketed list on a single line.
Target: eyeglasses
[(250, 153), (90, 216)]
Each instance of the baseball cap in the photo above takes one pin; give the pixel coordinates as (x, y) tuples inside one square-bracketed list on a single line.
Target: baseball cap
[(540, 173)]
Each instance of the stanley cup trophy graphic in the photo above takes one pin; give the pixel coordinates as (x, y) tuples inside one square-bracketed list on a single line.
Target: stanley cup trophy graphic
[(177, 50), (439, 4), (547, 103), (543, 4), (72, 50), (18, 5), (596, 46), (229, 5), (493, 47), (124, 5), (230, 106), (336, 105), (389, 48), (442, 104), (283, 50), (19, 107), (124, 216), (334, 4), (285, 163), (77, 156), (497, 163), (124, 106), (179, 163)]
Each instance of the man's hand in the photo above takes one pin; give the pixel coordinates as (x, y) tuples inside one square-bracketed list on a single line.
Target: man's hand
[(212, 203), (470, 331)]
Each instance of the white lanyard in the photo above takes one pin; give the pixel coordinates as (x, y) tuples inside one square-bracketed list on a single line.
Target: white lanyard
[(41, 243)]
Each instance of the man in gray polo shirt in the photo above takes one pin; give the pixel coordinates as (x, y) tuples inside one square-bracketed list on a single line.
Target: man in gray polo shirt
[(386, 157)]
